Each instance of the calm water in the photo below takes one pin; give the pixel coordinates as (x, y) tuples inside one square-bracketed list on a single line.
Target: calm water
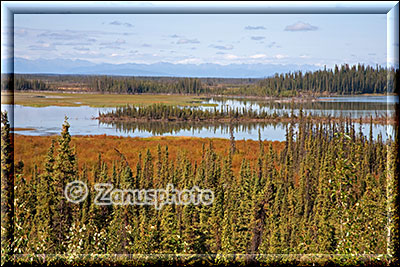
[(48, 120), (354, 107)]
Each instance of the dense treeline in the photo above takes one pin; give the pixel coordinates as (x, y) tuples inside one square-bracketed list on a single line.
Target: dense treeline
[(324, 193), (65, 79), (111, 84), (161, 112), (37, 85), (134, 86), (22, 84), (341, 80), (168, 113)]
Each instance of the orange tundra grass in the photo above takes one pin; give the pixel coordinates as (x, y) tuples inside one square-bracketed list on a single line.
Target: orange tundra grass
[(33, 149)]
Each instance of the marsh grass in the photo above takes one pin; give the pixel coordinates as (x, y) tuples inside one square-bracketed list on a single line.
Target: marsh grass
[(44, 99), (32, 149)]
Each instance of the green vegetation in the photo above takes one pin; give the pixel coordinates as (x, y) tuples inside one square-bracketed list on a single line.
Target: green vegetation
[(161, 112), (324, 195), (44, 99), (341, 80), (7, 190), (325, 192), (164, 113)]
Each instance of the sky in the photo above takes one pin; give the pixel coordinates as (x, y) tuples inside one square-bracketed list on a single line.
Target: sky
[(319, 39)]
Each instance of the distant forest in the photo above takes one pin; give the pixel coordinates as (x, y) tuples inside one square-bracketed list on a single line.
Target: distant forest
[(341, 80)]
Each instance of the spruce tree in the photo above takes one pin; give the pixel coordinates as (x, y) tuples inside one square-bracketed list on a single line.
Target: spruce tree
[(64, 172), (7, 190)]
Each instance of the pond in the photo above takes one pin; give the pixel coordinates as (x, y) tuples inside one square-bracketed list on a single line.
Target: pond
[(349, 106), (48, 120)]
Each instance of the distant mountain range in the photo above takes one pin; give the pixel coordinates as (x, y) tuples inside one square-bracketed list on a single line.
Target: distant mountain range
[(67, 66)]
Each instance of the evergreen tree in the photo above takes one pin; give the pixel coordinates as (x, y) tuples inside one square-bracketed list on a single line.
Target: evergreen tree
[(64, 172), (7, 190)]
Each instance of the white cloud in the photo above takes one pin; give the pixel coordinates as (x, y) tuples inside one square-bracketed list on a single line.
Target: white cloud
[(42, 46), (189, 61), (279, 56), (301, 26), (188, 41), (257, 56), (113, 45), (230, 56)]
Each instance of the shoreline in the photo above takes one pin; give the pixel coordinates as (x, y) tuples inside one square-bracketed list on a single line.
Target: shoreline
[(316, 119), (54, 97)]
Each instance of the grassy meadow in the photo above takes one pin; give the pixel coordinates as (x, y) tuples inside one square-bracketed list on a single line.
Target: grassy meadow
[(32, 149), (44, 99)]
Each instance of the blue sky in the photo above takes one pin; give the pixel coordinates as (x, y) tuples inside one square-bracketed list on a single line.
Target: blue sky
[(222, 39)]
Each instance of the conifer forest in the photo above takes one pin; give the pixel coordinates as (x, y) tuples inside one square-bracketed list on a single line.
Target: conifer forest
[(155, 134), (324, 192), (340, 80)]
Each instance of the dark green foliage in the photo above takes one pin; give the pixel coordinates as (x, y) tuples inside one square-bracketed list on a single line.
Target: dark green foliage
[(340, 80), (318, 195), (7, 189), (344, 79), (25, 85), (161, 112)]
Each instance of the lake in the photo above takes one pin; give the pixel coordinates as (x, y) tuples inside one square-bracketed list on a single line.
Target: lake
[(48, 120)]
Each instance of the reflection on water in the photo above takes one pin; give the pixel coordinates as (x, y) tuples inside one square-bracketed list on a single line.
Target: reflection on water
[(363, 99), (48, 120), (270, 131), (365, 106), (249, 130)]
